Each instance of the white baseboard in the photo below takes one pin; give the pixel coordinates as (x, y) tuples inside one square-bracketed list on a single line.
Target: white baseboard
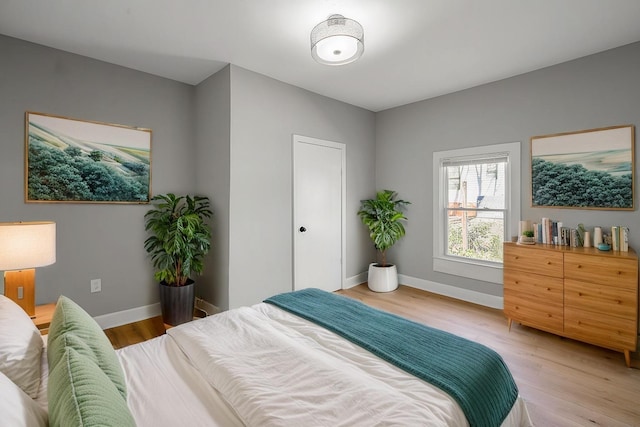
[(468, 295), (123, 317), (352, 281), (206, 307), (453, 291)]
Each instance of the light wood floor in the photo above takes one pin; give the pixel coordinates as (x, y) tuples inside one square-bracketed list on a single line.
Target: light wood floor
[(564, 382)]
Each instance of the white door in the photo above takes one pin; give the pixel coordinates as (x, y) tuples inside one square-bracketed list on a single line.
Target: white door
[(318, 213)]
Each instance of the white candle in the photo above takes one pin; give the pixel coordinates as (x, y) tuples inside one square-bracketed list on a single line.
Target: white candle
[(597, 236), (587, 239)]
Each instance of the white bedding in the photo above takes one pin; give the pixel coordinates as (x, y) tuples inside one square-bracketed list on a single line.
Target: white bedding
[(41, 398), (165, 390), (276, 369)]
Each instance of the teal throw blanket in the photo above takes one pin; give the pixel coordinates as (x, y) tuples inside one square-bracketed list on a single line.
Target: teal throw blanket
[(474, 375)]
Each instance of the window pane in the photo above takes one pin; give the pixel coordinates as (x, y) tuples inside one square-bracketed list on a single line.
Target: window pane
[(475, 234), (480, 185)]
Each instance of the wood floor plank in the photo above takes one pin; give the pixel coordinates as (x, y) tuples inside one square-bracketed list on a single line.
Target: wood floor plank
[(564, 382), (136, 332)]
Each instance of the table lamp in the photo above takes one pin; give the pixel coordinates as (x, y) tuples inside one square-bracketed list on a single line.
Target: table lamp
[(24, 246)]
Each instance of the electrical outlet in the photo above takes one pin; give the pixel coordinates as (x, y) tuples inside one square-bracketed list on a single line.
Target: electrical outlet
[(96, 285)]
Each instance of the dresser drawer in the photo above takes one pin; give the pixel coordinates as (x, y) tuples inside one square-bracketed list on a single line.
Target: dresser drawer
[(611, 332), (534, 300), (545, 262), (621, 273), (602, 300)]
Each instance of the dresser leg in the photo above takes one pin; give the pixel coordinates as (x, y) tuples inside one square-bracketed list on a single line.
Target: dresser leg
[(509, 323), (627, 358)]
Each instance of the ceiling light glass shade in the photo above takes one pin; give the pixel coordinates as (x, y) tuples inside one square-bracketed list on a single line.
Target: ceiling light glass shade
[(337, 41), (27, 245)]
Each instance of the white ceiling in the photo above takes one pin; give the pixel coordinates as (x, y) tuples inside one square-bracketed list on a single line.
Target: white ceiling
[(414, 49)]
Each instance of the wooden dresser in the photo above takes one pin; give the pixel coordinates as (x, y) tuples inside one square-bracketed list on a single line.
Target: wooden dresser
[(579, 293)]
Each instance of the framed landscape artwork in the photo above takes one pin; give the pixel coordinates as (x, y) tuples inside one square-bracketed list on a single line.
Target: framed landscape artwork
[(76, 161), (590, 169)]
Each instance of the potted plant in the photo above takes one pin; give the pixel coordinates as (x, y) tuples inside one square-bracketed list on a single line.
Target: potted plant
[(179, 240), (384, 219), (527, 237)]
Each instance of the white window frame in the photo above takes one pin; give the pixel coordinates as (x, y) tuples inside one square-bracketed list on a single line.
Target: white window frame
[(475, 269)]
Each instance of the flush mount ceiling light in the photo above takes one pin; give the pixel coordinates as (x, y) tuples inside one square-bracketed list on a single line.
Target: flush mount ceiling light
[(337, 41)]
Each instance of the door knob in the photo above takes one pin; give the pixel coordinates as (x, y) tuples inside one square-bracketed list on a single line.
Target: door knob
[(302, 229)]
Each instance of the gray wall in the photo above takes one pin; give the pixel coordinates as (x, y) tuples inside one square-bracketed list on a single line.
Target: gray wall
[(94, 241), (212, 164), (230, 138), (595, 91), (265, 113)]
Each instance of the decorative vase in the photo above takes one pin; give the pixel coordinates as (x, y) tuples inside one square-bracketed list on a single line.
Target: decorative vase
[(382, 279), (177, 302)]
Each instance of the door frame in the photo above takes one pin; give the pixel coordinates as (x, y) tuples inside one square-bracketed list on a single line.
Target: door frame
[(301, 139)]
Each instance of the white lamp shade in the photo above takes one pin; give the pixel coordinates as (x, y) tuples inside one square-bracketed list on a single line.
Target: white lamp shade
[(337, 41), (27, 244)]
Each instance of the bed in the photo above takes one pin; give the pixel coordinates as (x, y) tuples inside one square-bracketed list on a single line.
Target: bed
[(297, 359)]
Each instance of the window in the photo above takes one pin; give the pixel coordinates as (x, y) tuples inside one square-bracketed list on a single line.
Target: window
[(477, 207)]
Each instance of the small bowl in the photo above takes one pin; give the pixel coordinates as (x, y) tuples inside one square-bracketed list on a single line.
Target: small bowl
[(604, 247)]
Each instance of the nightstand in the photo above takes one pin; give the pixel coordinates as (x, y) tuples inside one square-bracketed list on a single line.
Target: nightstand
[(44, 313)]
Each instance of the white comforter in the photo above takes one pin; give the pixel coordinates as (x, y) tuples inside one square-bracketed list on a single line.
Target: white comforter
[(276, 369)]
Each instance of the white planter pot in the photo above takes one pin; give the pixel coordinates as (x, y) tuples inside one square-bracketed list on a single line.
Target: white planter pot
[(382, 279)]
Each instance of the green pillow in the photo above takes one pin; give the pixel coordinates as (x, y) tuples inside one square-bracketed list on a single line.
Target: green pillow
[(80, 394), (71, 326)]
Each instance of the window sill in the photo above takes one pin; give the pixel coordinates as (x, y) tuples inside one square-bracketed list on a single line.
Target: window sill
[(468, 268)]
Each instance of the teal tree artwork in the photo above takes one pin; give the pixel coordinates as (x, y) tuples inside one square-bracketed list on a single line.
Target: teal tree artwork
[(591, 169), (556, 184)]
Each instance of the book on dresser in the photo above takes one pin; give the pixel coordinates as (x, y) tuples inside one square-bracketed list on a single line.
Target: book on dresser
[(576, 292)]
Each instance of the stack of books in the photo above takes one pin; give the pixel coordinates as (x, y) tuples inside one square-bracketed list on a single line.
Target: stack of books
[(550, 232), (620, 238)]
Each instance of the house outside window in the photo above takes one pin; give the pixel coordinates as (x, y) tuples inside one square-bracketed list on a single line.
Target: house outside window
[(477, 207)]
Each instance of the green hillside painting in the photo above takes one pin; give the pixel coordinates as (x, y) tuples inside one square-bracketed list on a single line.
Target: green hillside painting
[(70, 160)]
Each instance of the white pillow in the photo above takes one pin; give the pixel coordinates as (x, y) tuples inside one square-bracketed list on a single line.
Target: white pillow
[(18, 409), (20, 347)]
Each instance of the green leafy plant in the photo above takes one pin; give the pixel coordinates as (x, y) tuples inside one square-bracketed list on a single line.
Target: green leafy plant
[(385, 220), (527, 233), (180, 236)]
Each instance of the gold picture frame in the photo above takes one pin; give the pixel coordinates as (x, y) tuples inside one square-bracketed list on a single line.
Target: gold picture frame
[(70, 160), (588, 169)]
